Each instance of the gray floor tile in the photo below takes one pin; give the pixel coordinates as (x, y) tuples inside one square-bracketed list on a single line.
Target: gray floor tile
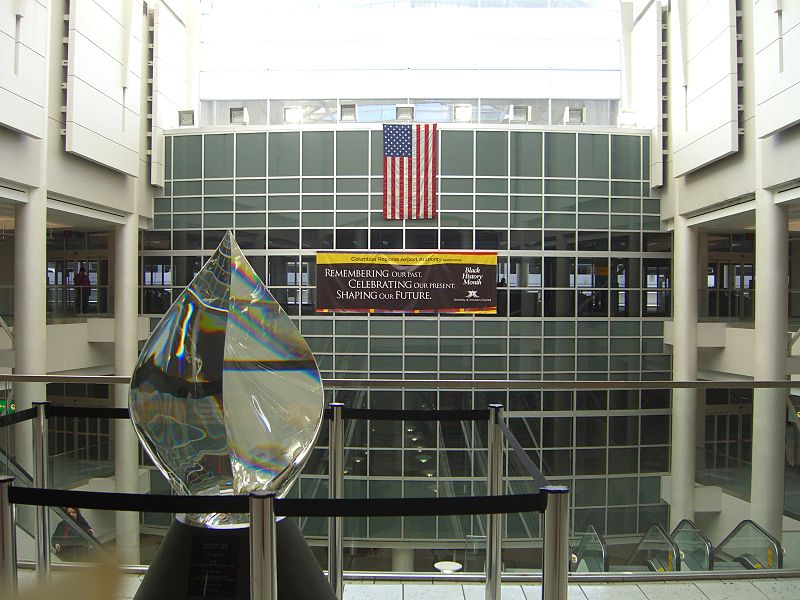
[(779, 589), (730, 590), (671, 591), (413, 591), (616, 591), (575, 593), (380, 591), (478, 592), (534, 592)]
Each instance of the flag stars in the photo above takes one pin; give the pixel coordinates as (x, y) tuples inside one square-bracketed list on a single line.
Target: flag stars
[(397, 140)]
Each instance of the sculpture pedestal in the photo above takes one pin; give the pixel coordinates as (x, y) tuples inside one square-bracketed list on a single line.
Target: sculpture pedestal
[(196, 563)]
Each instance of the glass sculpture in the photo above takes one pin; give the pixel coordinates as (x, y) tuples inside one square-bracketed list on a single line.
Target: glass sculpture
[(226, 395)]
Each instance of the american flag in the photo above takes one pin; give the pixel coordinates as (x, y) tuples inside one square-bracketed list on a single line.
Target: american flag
[(409, 171)]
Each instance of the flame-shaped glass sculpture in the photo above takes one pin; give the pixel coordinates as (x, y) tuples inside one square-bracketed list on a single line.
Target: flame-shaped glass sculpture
[(226, 396)]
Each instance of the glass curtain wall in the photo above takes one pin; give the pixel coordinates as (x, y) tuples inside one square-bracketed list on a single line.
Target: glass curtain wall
[(584, 280)]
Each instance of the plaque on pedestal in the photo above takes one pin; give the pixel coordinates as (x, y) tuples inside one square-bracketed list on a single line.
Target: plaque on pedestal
[(197, 562)]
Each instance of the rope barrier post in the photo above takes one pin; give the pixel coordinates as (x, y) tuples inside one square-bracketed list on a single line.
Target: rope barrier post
[(555, 570), (8, 542), (494, 528), (263, 547), (40, 457), (336, 490)]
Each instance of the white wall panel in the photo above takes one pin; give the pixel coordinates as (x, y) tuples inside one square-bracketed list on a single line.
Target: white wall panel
[(19, 158), (22, 93), (646, 57), (91, 108), (102, 71), (777, 76), (705, 117), (171, 79), (103, 57)]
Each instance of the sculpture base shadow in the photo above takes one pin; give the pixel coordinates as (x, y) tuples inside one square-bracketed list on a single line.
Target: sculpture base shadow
[(194, 563)]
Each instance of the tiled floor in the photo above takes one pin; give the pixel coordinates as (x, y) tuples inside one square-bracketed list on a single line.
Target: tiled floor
[(104, 585)]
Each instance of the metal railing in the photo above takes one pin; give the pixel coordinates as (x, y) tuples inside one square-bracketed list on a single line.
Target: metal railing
[(551, 500), (556, 515)]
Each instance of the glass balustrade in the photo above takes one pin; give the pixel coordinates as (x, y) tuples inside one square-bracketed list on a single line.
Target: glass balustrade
[(656, 552), (591, 554), (695, 548), (748, 546)]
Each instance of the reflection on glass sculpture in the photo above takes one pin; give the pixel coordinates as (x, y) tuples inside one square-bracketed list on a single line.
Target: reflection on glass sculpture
[(226, 396)]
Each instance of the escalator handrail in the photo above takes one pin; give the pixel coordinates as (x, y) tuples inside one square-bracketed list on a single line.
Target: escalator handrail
[(776, 545), (676, 553), (709, 546), (584, 540)]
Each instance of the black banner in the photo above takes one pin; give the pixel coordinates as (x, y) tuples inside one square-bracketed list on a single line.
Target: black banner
[(432, 282)]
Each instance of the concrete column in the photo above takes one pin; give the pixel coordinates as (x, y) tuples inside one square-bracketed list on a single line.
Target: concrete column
[(30, 311), (700, 428), (403, 560), (702, 275), (684, 368), (126, 449), (771, 338), (30, 277)]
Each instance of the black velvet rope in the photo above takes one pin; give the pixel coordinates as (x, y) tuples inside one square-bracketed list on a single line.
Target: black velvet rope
[(18, 417), (54, 410), (538, 479), (92, 412), (415, 415), (373, 507)]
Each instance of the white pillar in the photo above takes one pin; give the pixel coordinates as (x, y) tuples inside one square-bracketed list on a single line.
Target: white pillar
[(684, 368), (30, 277), (126, 448), (702, 275), (403, 560), (771, 338), (30, 310)]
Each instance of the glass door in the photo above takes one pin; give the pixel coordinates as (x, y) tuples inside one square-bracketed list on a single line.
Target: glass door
[(77, 285), (730, 288)]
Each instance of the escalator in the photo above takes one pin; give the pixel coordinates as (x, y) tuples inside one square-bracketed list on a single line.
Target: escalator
[(697, 552), (26, 515), (590, 553), (748, 546), (655, 552)]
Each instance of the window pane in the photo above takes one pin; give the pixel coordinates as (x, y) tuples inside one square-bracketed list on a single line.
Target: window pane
[(218, 155), (625, 156), (251, 155), (284, 155), (351, 152), (559, 155), (317, 153), (593, 156), (526, 154), (456, 153), (188, 152), (492, 153)]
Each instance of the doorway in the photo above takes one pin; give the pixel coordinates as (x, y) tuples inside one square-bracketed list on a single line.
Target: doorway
[(64, 297)]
